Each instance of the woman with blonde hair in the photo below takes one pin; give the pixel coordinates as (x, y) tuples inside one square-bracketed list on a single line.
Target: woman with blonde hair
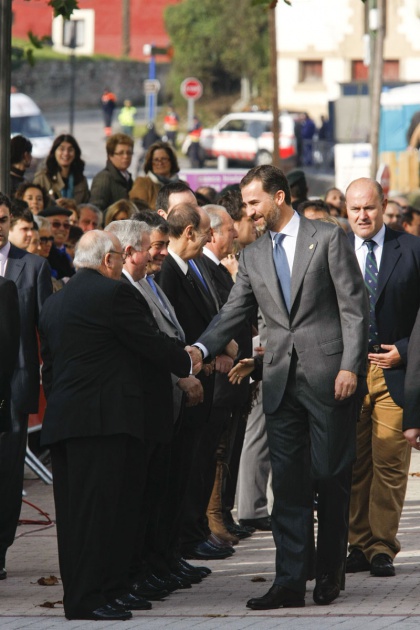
[(118, 211)]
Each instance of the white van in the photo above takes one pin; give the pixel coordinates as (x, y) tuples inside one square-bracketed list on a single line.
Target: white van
[(26, 119)]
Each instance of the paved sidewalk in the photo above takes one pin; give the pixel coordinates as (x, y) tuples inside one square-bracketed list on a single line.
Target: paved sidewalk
[(219, 601)]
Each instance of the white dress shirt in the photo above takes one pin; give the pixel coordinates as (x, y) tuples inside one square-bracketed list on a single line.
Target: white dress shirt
[(289, 242), (361, 248), (4, 254)]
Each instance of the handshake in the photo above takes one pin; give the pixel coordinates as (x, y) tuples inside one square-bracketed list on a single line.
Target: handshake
[(223, 362)]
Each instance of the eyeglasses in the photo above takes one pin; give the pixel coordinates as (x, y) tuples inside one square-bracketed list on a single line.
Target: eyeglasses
[(125, 153), (122, 254), (46, 239), (57, 224), (160, 160)]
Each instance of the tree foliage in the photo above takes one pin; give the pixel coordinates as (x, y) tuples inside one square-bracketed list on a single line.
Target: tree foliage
[(63, 7), (219, 42)]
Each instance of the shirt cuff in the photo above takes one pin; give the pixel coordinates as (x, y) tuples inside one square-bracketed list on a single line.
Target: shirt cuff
[(203, 349)]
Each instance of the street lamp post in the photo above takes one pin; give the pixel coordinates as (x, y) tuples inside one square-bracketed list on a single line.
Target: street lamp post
[(5, 84)]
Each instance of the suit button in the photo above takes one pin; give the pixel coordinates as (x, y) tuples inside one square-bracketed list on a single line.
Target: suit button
[(292, 330)]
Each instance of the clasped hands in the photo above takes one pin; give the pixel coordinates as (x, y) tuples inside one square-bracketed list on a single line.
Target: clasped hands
[(223, 362)]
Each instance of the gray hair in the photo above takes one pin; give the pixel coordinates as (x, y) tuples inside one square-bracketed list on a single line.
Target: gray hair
[(92, 249), (42, 222), (216, 214), (129, 232), (91, 206)]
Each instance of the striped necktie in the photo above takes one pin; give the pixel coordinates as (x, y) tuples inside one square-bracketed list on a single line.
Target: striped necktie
[(371, 281)]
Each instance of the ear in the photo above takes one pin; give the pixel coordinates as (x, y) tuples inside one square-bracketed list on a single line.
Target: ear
[(107, 260), (279, 197), (189, 232), (162, 213)]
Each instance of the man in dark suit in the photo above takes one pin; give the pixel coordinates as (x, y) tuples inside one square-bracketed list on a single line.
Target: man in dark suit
[(315, 355), (98, 342), (31, 274), (195, 303), (411, 419), (390, 263), (9, 344)]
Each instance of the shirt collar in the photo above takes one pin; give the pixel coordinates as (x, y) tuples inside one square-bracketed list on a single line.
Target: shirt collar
[(207, 252), (4, 251), (291, 229), (179, 261), (379, 238)]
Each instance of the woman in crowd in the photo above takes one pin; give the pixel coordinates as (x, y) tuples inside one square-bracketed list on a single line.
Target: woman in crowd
[(35, 196), (122, 209), (161, 167), (63, 172)]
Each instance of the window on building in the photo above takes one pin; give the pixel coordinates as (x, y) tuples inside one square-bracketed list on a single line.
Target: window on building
[(391, 70), (310, 71)]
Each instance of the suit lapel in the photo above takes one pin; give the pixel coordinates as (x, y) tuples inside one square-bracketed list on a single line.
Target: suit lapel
[(194, 294), (306, 245), (390, 255), (15, 265), (169, 314)]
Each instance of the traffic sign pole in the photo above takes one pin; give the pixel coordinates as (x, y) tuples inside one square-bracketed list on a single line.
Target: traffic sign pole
[(152, 96), (191, 90)]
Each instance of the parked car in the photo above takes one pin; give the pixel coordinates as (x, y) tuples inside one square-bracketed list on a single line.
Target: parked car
[(27, 120), (247, 137)]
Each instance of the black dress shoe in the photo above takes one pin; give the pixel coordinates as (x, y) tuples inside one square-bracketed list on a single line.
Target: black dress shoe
[(129, 601), (192, 578), (277, 597), (327, 587), (203, 571), (218, 543), (149, 591), (263, 524), (240, 532), (357, 561), (382, 566), (3, 574), (104, 613), (206, 551)]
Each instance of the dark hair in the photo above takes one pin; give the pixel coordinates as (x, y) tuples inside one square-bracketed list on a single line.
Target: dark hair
[(19, 145), (162, 199), (153, 219), (22, 188), (318, 204), (148, 165), (5, 201), (209, 192), (409, 214), (19, 211), (141, 204), (75, 234), (202, 200), (182, 215), (77, 166), (271, 178), (232, 201)]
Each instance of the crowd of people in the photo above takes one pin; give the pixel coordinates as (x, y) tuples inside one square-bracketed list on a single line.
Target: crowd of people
[(198, 342)]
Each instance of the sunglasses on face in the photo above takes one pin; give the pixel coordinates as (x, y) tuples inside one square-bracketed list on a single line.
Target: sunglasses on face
[(57, 224), (46, 239)]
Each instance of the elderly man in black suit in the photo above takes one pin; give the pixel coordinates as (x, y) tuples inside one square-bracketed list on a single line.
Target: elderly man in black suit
[(390, 263), (31, 274), (9, 344), (98, 340)]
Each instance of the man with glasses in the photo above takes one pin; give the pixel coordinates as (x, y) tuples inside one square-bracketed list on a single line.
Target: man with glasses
[(114, 182), (60, 262), (98, 342)]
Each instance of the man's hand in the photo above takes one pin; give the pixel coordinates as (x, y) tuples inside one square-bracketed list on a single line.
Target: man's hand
[(196, 358), (386, 360), (345, 384), (208, 368), (223, 363), (413, 438), (193, 389), (241, 370), (231, 349)]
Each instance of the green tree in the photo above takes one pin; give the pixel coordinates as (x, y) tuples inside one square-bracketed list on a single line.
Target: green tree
[(219, 42)]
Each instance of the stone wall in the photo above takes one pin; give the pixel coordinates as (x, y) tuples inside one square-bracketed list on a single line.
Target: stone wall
[(48, 82)]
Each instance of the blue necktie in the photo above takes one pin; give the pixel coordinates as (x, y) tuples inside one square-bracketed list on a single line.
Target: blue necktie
[(282, 268), (198, 274), (371, 281), (152, 283)]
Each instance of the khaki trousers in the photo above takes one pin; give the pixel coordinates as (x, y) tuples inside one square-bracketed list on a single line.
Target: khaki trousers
[(380, 472)]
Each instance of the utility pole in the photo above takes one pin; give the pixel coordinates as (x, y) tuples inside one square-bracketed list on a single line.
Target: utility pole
[(377, 10), (5, 84), (274, 82), (126, 28)]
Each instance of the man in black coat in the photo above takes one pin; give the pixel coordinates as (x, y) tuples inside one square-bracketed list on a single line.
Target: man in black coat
[(31, 274), (97, 339), (9, 344), (411, 419)]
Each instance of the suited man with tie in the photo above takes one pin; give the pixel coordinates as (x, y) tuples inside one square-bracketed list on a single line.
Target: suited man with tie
[(9, 344), (306, 281), (135, 238), (195, 303), (390, 262), (32, 277)]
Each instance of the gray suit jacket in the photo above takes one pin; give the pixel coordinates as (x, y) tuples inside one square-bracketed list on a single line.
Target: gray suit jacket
[(167, 323), (328, 322), (32, 276)]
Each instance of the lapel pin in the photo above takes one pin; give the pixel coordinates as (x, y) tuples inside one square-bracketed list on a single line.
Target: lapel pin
[(311, 246)]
